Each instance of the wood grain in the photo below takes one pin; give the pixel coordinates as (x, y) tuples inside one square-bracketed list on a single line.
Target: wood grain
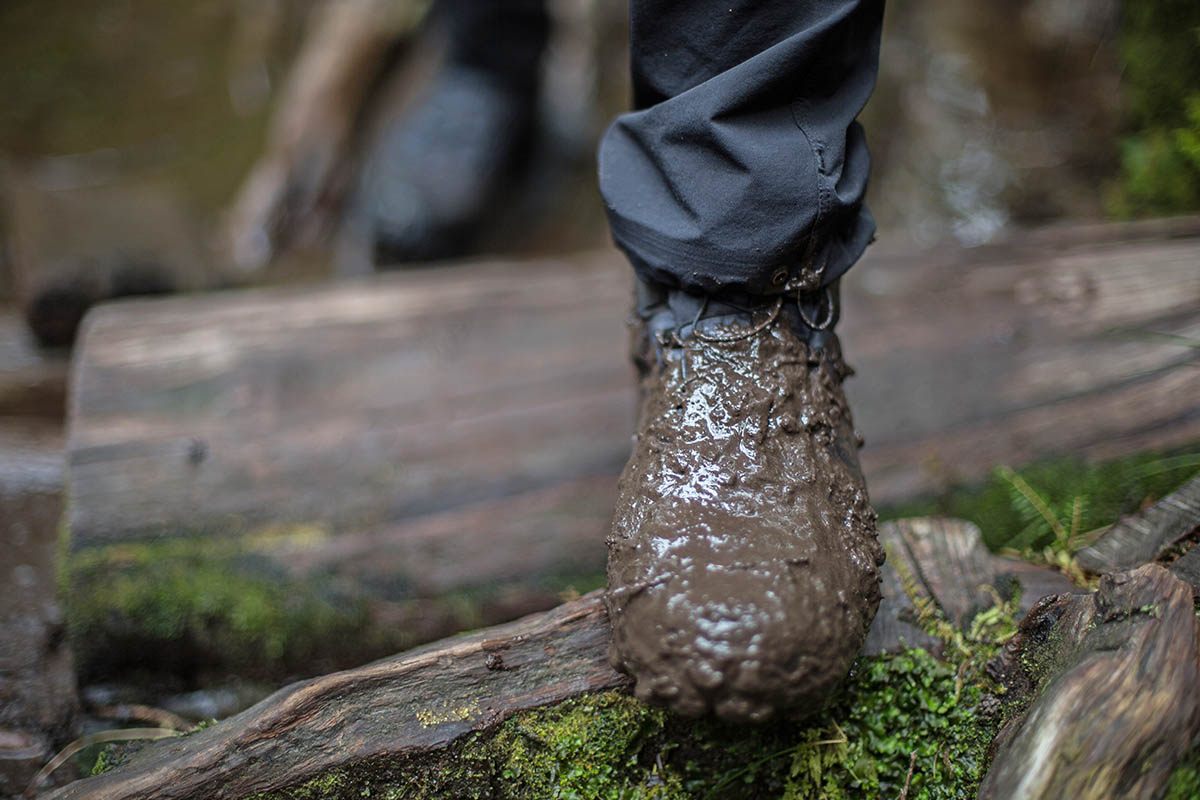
[(946, 560), (421, 700)]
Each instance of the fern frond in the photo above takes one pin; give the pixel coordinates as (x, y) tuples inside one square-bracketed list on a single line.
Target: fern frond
[(1035, 500)]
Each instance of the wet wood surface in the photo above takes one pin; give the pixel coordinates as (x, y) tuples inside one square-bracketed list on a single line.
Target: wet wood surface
[(425, 699), (417, 701), (444, 429), (1111, 679), (1050, 344)]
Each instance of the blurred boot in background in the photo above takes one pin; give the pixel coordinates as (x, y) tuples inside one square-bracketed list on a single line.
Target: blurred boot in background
[(443, 164)]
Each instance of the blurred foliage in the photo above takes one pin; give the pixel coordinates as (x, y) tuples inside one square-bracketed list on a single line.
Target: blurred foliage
[(148, 88), (1160, 154), (1073, 498), (1185, 781)]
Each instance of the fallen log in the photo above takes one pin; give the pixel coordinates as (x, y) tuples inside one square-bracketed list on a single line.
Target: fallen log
[(425, 700), (344, 447), (1110, 680), (419, 701)]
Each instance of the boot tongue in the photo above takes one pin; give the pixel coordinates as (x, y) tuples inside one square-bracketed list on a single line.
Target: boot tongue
[(697, 311), (685, 311)]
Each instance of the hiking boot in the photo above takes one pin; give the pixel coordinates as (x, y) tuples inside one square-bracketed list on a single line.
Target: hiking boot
[(743, 568), (442, 167)]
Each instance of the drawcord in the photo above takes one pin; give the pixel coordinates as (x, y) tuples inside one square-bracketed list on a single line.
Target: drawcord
[(704, 337), (805, 285), (826, 300)]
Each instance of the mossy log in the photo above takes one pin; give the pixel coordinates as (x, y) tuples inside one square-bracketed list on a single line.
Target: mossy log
[(946, 562), (418, 702), (416, 705), (1110, 680), (383, 455)]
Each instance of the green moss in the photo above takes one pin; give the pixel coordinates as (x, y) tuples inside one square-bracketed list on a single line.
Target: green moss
[(894, 711), (106, 761), (200, 602), (112, 755), (1106, 492), (1185, 780), (1158, 177), (1160, 59), (179, 602)]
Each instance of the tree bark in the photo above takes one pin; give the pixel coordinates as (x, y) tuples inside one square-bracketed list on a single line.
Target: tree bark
[(1164, 532), (1111, 681)]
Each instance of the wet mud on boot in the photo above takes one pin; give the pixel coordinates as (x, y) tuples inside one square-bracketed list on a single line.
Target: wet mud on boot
[(743, 569)]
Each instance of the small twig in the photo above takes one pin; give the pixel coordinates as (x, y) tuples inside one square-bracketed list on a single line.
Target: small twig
[(122, 735), (959, 679), (945, 759), (124, 712), (912, 763)]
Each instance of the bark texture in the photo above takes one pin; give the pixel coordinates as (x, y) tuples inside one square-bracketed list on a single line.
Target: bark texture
[(1113, 678), (1164, 532)]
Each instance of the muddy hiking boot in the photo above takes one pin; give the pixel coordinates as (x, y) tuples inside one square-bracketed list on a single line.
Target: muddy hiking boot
[(743, 568)]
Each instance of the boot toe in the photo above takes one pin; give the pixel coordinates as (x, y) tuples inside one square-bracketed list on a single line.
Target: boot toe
[(736, 627)]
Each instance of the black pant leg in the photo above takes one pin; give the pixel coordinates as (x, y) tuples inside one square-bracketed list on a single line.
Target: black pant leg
[(742, 158)]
